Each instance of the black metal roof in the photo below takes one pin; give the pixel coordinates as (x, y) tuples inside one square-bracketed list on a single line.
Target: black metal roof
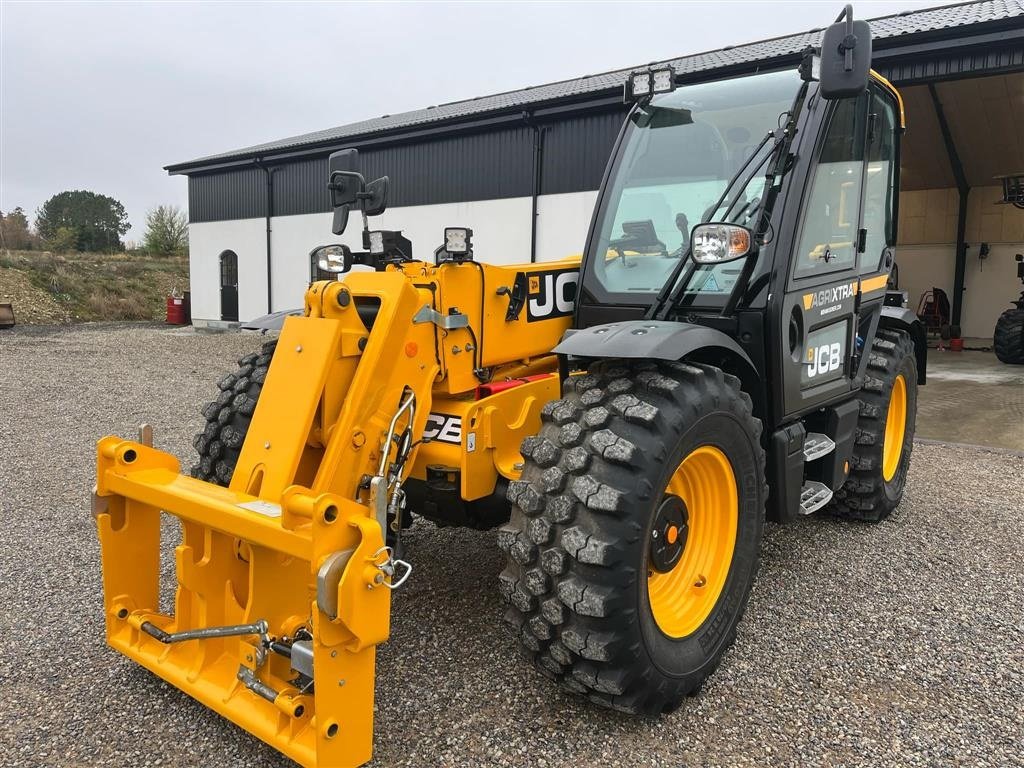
[(897, 29)]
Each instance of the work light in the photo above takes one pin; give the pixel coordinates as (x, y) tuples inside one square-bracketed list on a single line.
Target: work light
[(663, 80), (640, 85), (377, 243), (717, 243), (458, 240)]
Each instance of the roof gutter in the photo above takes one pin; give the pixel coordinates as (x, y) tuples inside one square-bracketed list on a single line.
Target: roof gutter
[(538, 169), (269, 210)]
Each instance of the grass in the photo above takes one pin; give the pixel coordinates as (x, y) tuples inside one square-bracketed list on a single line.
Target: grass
[(84, 287)]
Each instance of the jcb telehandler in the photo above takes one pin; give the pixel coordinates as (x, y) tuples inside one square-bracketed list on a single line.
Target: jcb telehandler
[(723, 353)]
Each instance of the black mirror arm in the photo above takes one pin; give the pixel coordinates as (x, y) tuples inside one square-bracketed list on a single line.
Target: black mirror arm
[(850, 41)]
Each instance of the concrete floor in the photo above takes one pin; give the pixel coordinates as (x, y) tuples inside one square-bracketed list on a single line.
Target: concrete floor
[(972, 398)]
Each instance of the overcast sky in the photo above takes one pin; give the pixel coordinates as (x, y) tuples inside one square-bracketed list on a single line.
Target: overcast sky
[(101, 96)]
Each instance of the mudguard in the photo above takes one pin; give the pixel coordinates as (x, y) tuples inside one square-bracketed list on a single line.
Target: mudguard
[(658, 339), (664, 340), (904, 319)]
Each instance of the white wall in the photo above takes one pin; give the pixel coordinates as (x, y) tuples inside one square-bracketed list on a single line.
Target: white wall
[(206, 241), (927, 252), (562, 224), (501, 235)]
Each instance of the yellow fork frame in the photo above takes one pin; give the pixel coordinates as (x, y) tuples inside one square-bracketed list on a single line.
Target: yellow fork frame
[(295, 511)]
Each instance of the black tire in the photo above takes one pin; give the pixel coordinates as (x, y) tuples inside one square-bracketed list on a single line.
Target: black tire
[(867, 494), (582, 513), (228, 418), (1008, 340)]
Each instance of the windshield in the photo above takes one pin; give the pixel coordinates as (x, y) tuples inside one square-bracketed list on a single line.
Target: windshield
[(678, 155)]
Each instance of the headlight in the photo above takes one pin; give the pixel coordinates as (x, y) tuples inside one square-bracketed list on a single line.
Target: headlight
[(333, 258), (717, 243), (458, 240)]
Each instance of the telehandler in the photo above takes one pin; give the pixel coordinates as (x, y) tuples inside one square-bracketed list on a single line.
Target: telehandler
[(723, 353)]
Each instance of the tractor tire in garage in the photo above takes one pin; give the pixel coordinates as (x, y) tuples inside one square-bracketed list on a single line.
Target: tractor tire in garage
[(885, 431), (228, 418), (635, 531), (1009, 337)]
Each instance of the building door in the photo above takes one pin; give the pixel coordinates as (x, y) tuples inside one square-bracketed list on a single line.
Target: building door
[(229, 286)]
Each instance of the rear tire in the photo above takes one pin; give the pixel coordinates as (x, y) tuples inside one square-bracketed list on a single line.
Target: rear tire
[(228, 418), (1009, 337), (882, 448), (581, 546)]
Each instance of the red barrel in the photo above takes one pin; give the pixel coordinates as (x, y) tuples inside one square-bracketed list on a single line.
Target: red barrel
[(176, 314)]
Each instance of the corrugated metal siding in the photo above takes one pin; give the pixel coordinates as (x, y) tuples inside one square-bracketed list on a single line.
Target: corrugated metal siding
[(484, 166), (301, 187), (576, 151), (964, 64), (232, 194)]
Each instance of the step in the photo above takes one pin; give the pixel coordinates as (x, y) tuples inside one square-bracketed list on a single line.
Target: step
[(817, 445), (814, 496)]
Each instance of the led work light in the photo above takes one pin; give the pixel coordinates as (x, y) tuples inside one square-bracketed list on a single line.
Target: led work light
[(458, 240), (377, 243), (640, 85)]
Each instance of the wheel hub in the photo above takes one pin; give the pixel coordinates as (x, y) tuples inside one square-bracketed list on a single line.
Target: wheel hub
[(669, 534)]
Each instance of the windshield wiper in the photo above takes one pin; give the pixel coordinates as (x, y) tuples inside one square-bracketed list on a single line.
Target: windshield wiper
[(666, 294), (668, 298)]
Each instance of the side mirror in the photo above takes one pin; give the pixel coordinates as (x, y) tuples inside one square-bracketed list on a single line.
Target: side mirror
[(332, 258), (375, 199), (717, 243), (845, 57), (349, 189)]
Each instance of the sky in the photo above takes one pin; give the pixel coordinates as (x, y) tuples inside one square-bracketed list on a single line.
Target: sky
[(102, 95)]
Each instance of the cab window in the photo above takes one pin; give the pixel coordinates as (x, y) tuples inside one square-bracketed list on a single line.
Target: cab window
[(828, 239), (879, 187)]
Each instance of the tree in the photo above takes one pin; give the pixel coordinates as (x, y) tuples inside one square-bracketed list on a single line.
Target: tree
[(63, 240), (15, 233), (97, 221), (166, 230)]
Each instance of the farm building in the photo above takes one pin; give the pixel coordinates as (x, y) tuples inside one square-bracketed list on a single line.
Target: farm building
[(522, 169)]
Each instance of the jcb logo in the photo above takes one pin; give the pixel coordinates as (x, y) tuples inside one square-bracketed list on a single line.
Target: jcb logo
[(443, 428), (824, 359), (552, 294)]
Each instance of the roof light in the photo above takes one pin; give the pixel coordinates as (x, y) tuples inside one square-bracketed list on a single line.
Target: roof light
[(641, 85), (663, 80)]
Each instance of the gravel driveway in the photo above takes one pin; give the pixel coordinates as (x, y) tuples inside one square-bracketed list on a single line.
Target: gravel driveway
[(863, 645)]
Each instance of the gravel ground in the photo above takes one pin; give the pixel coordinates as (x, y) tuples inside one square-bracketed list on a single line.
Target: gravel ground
[(901, 643)]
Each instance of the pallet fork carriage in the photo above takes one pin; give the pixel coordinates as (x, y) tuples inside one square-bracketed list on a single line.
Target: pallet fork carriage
[(296, 544), (628, 419)]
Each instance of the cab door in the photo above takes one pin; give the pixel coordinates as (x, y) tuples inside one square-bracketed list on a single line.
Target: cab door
[(843, 251), (818, 312)]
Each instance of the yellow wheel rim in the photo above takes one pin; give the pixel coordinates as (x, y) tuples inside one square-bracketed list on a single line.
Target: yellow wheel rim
[(683, 597), (895, 429)]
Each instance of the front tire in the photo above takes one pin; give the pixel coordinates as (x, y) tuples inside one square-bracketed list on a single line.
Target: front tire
[(635, 454), (228, 418), (885, 431), (1008, 340)]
